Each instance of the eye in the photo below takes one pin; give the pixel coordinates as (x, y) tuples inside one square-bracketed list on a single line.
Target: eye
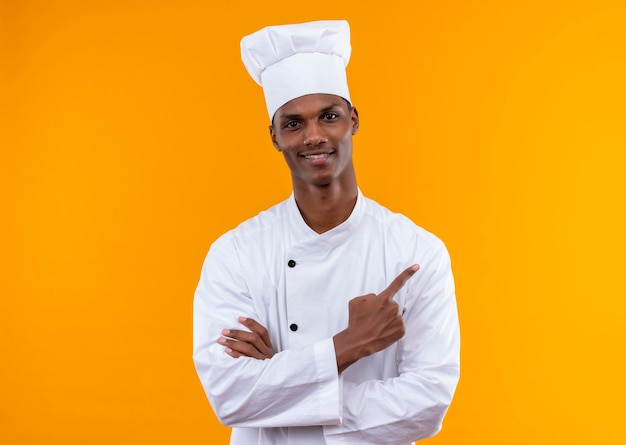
[(330, 116), (291, 125)]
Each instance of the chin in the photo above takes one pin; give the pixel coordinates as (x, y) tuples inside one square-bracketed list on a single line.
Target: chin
[(322, 181)]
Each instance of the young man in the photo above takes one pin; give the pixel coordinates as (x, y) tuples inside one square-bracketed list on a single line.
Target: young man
[(326, 319)]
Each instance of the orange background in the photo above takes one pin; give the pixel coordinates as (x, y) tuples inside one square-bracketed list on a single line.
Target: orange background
[(131, 137)]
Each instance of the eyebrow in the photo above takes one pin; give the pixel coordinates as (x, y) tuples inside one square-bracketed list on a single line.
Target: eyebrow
[(322, 111)]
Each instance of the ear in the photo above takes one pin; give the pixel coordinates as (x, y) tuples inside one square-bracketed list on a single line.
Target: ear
[(354, 116), (273, 137)]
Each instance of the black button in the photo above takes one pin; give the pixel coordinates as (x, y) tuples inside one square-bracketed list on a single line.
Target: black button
[(293, 327), (291, 263)]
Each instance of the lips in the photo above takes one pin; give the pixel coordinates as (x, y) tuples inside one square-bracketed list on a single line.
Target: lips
[(317, 154), (317, 157)]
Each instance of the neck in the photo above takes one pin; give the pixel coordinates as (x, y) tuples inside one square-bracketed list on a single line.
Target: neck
[(325, 207)]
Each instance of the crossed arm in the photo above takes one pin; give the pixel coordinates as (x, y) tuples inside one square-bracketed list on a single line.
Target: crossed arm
[(374, 323), (370, 403)]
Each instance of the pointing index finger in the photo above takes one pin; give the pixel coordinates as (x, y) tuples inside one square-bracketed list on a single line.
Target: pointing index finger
[(399, 282)]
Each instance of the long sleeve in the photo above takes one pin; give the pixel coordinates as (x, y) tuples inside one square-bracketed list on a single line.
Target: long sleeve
[(293, 388), (298, 284), (411, 406)]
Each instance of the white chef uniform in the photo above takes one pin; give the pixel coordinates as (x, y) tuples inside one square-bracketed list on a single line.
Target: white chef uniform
[(297, 283)]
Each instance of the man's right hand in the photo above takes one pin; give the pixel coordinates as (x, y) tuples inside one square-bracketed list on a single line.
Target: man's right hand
[(374, 323)]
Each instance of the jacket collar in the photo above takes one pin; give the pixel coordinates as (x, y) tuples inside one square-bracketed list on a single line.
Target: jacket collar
[(303, 235)]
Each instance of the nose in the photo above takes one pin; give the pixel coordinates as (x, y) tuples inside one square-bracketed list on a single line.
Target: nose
[(314, 135)]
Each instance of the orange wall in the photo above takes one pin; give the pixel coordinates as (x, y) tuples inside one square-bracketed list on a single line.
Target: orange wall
[(131, 137)]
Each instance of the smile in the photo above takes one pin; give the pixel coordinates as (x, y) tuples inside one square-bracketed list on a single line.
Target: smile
[(317, 159), (317, 156)]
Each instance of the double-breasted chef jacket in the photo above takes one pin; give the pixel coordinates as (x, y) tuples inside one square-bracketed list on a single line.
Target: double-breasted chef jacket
[(297, 283)]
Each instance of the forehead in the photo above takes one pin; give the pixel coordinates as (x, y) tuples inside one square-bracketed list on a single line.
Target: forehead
[(310, 104)]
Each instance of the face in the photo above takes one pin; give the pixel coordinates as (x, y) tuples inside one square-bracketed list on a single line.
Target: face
[(314, 134)]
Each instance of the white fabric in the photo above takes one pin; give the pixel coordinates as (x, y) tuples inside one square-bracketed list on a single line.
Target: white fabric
[(291, 61), (395, 396)]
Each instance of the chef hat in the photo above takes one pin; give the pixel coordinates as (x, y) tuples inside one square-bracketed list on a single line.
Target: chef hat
[(290, 61)]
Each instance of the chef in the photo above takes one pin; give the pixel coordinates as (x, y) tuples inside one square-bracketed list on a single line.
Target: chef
[(326, 319)]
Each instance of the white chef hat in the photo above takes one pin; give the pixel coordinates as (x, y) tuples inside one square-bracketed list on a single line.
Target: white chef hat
[(290, 61)]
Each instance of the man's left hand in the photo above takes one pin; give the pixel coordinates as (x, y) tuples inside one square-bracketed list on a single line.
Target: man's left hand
[(255, 344)]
